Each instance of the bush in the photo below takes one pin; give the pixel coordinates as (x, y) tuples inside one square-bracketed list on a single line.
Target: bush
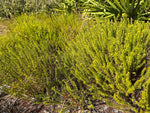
[(28, 55), (66, 60), (111, 60)]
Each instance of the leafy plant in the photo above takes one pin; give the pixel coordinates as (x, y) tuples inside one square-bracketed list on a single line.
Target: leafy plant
[(69, 6), (134, 9), (111, 59)]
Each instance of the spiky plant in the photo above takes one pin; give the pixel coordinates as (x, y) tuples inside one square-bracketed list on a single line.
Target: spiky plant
[(134, 9)]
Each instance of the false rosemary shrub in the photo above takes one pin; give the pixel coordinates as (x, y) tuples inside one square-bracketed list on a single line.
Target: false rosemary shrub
[(28, 55), (111, 59)]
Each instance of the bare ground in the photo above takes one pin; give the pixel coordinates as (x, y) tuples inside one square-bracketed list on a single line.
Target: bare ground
[(9, 104)]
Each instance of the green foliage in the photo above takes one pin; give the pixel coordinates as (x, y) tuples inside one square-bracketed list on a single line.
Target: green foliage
[(10, 8), (111, 59), (69, 6), (135, 9), (28, 56)]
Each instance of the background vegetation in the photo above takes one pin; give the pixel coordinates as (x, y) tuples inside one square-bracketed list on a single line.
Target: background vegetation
[(135, 9)]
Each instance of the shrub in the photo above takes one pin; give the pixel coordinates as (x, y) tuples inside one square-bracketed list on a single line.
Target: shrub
[(28, 56), (64, 60), (111, 60)]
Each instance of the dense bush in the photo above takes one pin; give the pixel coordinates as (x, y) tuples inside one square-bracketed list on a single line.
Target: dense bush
[(28, 55), (72, 61), (112, 60)]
